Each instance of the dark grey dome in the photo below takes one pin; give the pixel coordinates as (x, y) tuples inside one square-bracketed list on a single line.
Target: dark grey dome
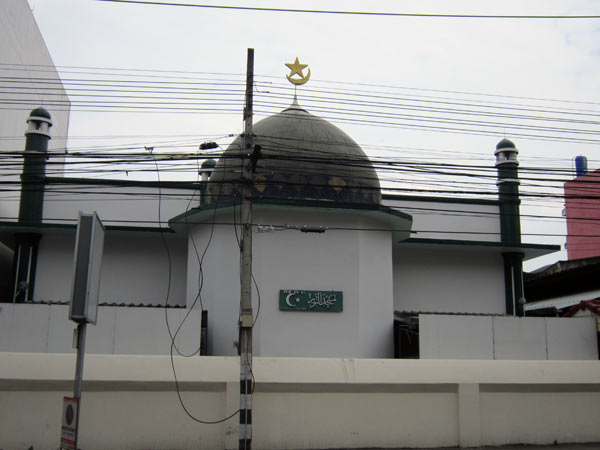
[(209, 163), (505, 143), (302, 157), (40, 112)]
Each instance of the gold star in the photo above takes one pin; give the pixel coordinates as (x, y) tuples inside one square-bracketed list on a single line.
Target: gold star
[(296, 68)]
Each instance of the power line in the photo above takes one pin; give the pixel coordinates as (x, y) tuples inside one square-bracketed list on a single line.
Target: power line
[(278, 85), (374, 108), (359, 13)]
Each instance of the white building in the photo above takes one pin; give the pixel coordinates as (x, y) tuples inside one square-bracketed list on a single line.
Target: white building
[(335, 264), (26, 71), (319, 227)]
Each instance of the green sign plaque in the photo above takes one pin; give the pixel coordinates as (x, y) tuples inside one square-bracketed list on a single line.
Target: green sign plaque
[(321, 301)]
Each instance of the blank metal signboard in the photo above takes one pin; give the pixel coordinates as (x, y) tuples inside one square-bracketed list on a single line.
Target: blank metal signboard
[(86, 271)]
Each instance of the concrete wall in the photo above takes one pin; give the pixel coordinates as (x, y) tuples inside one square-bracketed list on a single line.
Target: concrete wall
[(130, 402), (216, 287), (24, 57), (461, 220), (135, 268), (516, 338), (119, 330), (354, 261), (116, 205), (431, 280)]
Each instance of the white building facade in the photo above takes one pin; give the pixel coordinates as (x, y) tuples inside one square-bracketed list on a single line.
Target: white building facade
[(319, 229), (343, 278), (27, 70)]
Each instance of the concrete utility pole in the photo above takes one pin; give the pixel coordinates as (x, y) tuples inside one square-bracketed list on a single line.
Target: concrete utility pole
[(246, 319)]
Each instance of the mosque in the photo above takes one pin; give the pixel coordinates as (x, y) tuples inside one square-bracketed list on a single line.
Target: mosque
[(340, 269), (363, 307)]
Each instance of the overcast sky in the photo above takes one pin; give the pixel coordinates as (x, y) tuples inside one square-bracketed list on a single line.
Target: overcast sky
[(542, 60)]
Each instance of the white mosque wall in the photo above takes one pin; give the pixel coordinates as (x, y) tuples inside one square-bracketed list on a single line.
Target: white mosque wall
[(215, 288), (356, 262), (116, 205), (375, 293), (24, 56), (453, 220), (301, 403), (135, 268), (448, 280)]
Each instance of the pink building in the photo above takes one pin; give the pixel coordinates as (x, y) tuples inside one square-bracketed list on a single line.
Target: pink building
[(582, 210)]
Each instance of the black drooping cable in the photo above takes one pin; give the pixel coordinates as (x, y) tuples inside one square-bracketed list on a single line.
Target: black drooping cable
[(190, 415), (167, 250), (200, 276), (173, 336)]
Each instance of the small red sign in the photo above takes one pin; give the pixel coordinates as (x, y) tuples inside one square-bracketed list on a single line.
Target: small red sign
[(68, 435)]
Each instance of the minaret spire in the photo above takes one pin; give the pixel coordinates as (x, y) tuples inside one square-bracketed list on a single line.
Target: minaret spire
[(31, 205), (510, 224)]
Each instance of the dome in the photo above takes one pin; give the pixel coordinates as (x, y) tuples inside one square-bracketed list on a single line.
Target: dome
[(209, 163), (40, 112), (302, 157), (505, 143)]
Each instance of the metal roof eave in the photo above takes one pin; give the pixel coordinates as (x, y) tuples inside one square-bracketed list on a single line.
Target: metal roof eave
[(397, 222), (529, 251), (9, 229)]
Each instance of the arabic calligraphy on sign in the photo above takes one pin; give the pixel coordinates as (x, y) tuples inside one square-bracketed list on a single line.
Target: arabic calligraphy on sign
[(318, 301), (324, 299)]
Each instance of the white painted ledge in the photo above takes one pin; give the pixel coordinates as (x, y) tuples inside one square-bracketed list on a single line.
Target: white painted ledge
[(213, 369)]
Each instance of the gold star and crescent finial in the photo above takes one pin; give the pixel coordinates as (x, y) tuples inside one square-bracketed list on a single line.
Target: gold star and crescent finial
[(297, 69)]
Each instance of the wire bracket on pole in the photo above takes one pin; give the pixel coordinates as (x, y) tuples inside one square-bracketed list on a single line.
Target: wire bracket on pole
[(246, 321)]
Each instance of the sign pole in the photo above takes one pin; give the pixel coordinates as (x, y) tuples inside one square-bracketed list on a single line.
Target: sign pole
[(89, 244), (81, 330), (246, 317)]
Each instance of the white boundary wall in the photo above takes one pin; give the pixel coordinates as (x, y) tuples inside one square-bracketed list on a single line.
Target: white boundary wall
[(119, 330), (129, 402), (502, 337)]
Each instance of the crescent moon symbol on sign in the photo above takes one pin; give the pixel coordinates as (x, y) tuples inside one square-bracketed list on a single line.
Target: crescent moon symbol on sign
[(299, 81), (287, 299)]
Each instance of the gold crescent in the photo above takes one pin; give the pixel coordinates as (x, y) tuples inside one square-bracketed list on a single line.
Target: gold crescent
[(299, 81)]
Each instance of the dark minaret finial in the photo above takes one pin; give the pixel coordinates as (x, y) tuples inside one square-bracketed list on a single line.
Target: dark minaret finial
[(34, 166), (507, 165), (508, 191), (208, 166)]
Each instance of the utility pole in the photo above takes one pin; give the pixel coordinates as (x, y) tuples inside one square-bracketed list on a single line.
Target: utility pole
[(249, 157)]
